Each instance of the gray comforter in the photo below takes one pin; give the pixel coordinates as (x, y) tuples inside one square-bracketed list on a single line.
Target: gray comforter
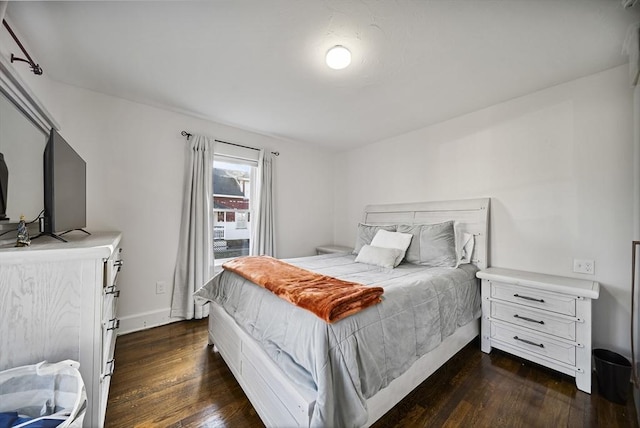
[(346, 362)]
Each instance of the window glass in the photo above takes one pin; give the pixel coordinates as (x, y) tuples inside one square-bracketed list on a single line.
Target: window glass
[(232, 185)]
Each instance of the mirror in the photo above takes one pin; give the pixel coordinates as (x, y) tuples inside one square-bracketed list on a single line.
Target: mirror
[(22, 145), (24, 130)]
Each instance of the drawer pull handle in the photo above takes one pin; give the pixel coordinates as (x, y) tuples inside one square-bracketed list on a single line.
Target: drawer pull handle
[(528, 298), (112, 290), (528, 342), (528, 319), (115, 324), (111, 364)]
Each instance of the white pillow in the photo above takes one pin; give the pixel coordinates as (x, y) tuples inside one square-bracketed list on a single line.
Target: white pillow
[(464, 247), (386, 239), (380, 256), (395, 240)]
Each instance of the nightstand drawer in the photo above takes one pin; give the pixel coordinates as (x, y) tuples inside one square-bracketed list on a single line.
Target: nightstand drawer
[(534, 298), (533, 343), (533, 319)]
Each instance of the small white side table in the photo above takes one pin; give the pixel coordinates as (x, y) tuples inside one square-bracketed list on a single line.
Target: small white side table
[(542, 318), (330, 249)]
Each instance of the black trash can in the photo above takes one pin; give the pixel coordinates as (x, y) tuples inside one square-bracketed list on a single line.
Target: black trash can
[(613, 372)]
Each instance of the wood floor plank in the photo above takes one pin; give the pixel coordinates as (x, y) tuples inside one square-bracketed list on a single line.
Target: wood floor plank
[(169, 377)]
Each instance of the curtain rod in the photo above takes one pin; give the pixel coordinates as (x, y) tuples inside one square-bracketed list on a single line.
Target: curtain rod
[(37, 70), (186, 134)]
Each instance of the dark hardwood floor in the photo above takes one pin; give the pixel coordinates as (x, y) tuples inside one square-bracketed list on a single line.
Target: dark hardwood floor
[(168, 377)]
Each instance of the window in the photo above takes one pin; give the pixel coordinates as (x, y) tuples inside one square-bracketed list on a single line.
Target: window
[(232, 188)]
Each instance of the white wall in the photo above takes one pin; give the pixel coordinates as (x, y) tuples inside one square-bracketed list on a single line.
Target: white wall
[(558, 165), (135, 165)]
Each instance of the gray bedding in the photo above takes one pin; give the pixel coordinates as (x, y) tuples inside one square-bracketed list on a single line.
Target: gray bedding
[(347, 362)]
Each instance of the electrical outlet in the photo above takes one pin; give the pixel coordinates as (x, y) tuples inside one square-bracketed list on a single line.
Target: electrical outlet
[(584, 266), (161, 287)]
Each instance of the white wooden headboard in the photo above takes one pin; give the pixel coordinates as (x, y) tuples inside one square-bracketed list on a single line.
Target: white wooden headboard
[(471, 214)]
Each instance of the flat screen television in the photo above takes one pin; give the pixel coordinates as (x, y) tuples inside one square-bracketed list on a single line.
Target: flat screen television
[(65, 188)]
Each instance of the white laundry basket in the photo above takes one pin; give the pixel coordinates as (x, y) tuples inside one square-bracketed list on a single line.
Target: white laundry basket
[(45, 391)]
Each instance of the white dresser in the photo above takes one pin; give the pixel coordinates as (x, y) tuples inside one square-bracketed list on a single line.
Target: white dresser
[(542, 318), (58, 301)]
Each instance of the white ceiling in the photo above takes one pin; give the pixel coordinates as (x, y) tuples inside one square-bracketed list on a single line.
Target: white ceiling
[(259, 64)]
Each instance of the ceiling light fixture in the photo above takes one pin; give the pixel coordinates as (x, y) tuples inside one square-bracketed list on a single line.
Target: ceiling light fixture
[(338, 57)]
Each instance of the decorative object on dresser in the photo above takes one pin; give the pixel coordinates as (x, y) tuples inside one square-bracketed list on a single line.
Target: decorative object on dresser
[(542, 318), (331, 249), (23, 234), (58, 302)]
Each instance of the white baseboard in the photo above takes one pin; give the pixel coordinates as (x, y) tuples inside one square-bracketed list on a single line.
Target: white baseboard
[(145, 320)]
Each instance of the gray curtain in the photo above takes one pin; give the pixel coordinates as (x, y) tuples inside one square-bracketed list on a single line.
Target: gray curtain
[(194, 265), (263, 240)]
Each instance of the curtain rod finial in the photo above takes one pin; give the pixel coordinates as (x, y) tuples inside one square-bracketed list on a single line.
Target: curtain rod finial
[(185, 134)]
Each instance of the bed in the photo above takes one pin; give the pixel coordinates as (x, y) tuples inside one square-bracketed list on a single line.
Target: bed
[(298, 370)]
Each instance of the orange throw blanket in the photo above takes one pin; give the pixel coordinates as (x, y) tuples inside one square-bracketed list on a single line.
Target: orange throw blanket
[(329, 298)]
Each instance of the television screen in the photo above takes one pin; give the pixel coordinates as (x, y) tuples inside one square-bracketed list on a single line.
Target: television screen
[(65, 189)]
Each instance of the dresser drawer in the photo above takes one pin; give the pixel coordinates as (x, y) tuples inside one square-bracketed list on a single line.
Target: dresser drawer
[(109, 335), (108, 351), (111, 268), (534, 298), (533, 343), (105, 383), (110, 303), (534, 319)]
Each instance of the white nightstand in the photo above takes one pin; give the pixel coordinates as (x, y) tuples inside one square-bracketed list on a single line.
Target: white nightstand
[(542, 318), (329, 249)]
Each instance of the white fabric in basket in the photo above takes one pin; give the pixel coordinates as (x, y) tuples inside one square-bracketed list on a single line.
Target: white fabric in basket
[(45, 390)]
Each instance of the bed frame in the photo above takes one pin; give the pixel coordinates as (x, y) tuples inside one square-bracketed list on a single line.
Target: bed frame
[(277, 400)]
